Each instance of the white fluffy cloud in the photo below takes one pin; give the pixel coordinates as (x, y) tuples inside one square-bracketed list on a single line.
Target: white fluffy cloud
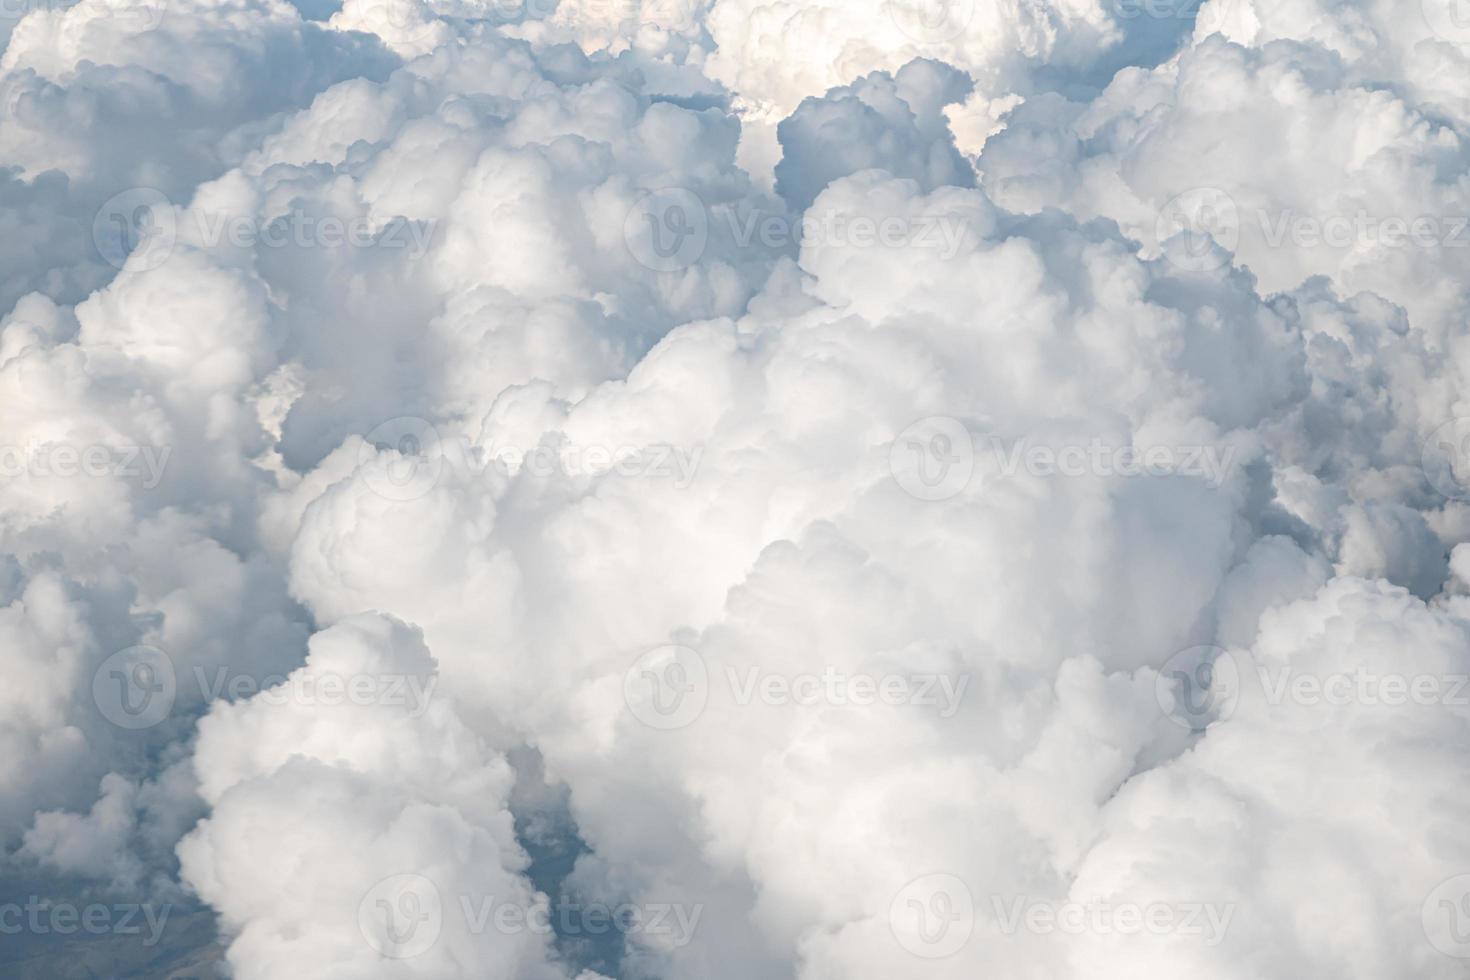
[(725, 490)]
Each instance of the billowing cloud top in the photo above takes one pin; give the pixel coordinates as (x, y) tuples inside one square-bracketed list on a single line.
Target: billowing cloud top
[(724, 489)]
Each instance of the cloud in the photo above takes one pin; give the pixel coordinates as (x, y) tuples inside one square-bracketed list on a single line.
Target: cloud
[(726, 490), (386, 781)]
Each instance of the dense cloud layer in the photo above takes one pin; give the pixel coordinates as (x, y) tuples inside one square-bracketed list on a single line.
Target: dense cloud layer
[(728, 490)]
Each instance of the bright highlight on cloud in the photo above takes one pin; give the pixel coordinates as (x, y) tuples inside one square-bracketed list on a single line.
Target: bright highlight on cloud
[(713, 489)]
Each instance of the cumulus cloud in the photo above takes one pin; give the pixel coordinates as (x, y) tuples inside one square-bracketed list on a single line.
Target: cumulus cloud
[(731, 490)]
